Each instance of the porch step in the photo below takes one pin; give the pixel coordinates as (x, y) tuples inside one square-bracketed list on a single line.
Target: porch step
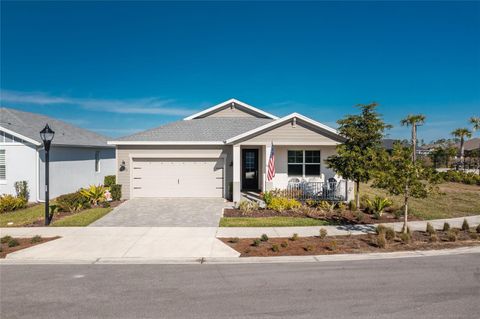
[(254, 197)]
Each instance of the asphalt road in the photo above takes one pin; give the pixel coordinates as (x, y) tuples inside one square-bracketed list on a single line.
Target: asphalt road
[(427, 287)]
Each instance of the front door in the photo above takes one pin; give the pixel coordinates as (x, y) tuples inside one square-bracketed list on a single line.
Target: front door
[(250, 169)]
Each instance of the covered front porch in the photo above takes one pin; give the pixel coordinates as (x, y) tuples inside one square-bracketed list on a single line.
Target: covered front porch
[(300, 172)]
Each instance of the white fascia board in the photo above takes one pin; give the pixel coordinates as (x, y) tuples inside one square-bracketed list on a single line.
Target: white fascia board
[(245, 105), (26, 139), (165, 142), (280, 121)]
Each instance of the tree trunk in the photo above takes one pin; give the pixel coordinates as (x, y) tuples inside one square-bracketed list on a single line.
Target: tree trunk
[(462, 152), (414, 143), (405, 212), (357, 194)]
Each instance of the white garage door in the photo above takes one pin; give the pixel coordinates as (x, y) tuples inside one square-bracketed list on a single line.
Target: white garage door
[(177, 177)]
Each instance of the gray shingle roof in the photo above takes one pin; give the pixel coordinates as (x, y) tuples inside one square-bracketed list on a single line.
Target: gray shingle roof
[(30, 124), (203, 129)]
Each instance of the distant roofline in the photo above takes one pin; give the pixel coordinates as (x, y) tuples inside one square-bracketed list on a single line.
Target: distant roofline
[(219, 105)]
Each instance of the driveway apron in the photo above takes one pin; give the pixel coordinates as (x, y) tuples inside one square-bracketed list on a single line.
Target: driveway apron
[(165, 212)]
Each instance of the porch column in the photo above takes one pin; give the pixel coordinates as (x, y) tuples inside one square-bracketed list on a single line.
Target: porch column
[(268, 184), (236, 174)]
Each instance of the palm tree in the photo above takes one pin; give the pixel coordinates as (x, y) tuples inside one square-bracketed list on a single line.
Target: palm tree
[(462, 133), (475, 121), (413, 120)]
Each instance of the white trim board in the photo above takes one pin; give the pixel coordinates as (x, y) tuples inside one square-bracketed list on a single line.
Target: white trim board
[(166, 143), (26, 139), (245, 105)]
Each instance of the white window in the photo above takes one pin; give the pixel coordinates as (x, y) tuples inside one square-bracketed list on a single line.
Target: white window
[(3, 166), (97, 161), (303, 163)]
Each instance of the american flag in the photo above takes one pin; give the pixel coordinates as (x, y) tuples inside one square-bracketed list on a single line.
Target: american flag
[(271, 164)]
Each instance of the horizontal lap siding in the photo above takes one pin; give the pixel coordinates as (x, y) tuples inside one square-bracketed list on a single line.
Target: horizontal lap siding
[(124, 152), (291, 134)]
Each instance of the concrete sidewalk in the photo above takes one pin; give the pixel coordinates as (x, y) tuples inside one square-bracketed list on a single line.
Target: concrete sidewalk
[(167, 243)]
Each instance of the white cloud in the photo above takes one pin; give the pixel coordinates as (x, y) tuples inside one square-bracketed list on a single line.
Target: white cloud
[(150, 105)]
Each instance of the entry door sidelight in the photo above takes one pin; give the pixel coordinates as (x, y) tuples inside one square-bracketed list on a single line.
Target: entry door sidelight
[(250, 169)]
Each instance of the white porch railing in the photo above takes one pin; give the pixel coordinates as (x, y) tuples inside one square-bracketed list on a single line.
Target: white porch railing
[(331, 190)]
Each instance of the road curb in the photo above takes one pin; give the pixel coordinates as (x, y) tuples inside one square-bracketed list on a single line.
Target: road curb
[(247, 260)]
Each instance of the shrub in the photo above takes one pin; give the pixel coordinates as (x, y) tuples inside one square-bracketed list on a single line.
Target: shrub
[(275, 248), (256, 242), (13, 243), (333, 245), (21, 189), (446, 227), (284, 244), (109, 180), (360, 216), (234, 240), (433, 237), (381, 240), (294, 237), (72, 202), (116, 191), (465, 225), (309, 248), (380, 229), (36, 239), (105, 204), (341, 205), (352, 205), (451, 235), (247, 206), (364, 200), (389, 233), (323, 233), (10, 203), (406, 238), (5, 239), (281, 204), (327, 206), (264, 237), (478, 228), (94, 193), (473, 235), (267, 197), (378, 205), (430, 230)]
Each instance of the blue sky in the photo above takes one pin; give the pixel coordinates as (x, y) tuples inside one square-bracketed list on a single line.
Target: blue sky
[(121, 67)]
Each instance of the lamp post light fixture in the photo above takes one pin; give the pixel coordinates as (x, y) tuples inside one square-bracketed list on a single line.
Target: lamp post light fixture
[(47, 135)]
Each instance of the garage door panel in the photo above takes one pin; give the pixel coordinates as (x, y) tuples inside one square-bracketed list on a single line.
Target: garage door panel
[(177, 178)]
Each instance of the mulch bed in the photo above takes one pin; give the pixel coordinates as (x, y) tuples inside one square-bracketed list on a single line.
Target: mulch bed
[(61, 215), (338, 217), (346, 244), (23, 243)]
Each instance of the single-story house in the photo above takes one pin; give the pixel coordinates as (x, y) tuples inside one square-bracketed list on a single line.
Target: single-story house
[(223, 151), (78, 157)]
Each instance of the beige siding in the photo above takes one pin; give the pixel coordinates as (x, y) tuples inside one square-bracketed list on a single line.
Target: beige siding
[(125, 153), (291, 134), (235, 111)]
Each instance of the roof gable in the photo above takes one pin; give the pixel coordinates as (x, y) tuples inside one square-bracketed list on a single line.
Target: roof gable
[(232, 108), (289, 127)]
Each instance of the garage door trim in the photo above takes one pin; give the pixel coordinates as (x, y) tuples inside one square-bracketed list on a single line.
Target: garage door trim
[(179, 157)]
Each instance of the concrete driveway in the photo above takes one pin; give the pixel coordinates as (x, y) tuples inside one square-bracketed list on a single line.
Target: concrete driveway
[(165, 212)]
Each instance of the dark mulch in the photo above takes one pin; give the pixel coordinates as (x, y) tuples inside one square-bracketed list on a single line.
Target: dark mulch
[(346, 244), (61, 215), (23, 243), (337, 217)]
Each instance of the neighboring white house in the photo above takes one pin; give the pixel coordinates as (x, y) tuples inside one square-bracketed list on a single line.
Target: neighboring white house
[(78, 157), (224, 151)]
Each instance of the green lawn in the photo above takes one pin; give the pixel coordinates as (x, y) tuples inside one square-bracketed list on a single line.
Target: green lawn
[(270, 222), (453, 200), (84, 218), (29, 215), (22, 216)]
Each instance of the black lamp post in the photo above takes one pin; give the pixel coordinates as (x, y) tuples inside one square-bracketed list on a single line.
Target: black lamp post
[(47, 136)]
